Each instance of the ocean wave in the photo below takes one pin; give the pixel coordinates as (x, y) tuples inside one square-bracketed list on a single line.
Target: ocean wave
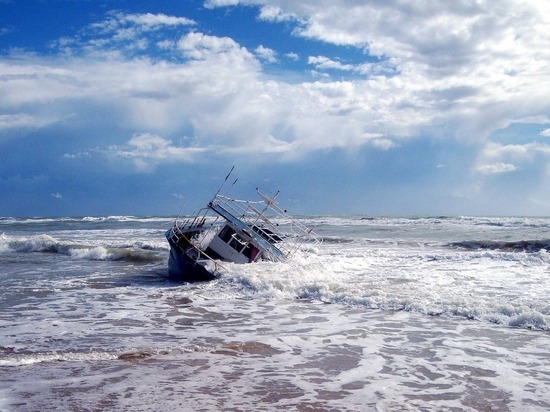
[(433, 221), (7, 220), (36, 220), (336, 240), (116, 254), (123, 218), (442, 289), (135, 252), (508, 246), (13, 358), (153, 246), (523, 317), (108, 218), (39, 243)]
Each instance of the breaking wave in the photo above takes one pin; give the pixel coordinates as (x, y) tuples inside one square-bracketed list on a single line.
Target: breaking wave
[(101, 219), (508, 246), (13, 358), (137, 252), (85, 219), (445, 284), (339, 291), (38, 243)]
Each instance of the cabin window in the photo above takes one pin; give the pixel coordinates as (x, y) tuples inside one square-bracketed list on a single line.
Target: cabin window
[(229, 236), (248, 251), (226, 234), (237, 243)]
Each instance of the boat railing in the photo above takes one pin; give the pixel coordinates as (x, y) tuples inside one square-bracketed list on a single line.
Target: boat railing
[(198, 222), (200, 251), (260, 215)]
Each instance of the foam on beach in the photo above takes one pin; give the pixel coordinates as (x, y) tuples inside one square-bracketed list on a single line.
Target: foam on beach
[(240, 355)]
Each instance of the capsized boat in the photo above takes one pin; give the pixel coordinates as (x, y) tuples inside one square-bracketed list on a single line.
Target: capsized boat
[(233, 230)]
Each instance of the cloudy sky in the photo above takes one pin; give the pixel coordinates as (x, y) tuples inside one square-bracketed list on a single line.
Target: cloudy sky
[(369, 107)]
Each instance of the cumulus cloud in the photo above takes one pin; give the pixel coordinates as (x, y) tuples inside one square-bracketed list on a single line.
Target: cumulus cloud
[(457, 69), (293, 56), (210, 4), (324, 63), (146, 151), (515, 151), (200, 46), (149, 20), (22, 121), (266, 54), (495, 52), (118, 21), (275, 14), (383, 68), (77, 155), (496, 158), (496, 168), (440, 35), (121, 34)]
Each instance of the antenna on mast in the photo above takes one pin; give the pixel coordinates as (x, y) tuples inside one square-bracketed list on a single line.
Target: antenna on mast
[(225, 180), (229, 174), (230, 187)]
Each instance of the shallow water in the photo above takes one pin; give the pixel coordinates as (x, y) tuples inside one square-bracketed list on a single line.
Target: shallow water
[(387, 314)]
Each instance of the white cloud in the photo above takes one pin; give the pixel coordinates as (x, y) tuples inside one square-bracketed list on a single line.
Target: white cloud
[(266, 54), (383, 68), (293, 56), (275, 14), (57, 195), (121, 34), (497, 52), (166, 44), (200, 46), (384, 144), (155, 20), (496, 168), (324, 63), (210, 4), (444, 70), (146, 151), (120, 22), (496, 158), (78, 155), (442, 35), (545, 133), (515, 151), (22, 121)]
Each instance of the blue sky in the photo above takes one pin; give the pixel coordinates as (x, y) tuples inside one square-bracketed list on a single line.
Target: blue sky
[(137, 107)]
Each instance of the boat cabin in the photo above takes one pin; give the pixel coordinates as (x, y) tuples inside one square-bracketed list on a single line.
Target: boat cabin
[(229, 245)]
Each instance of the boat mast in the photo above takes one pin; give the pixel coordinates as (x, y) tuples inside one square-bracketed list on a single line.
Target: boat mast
[(224, 181)]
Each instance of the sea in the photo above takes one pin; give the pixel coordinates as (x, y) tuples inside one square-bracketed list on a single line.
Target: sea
[(385, 314)]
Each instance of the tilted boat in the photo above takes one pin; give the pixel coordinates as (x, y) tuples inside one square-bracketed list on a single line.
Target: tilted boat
[(233, 230)]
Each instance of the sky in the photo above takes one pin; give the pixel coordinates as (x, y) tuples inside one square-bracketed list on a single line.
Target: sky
[(365, 107)]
